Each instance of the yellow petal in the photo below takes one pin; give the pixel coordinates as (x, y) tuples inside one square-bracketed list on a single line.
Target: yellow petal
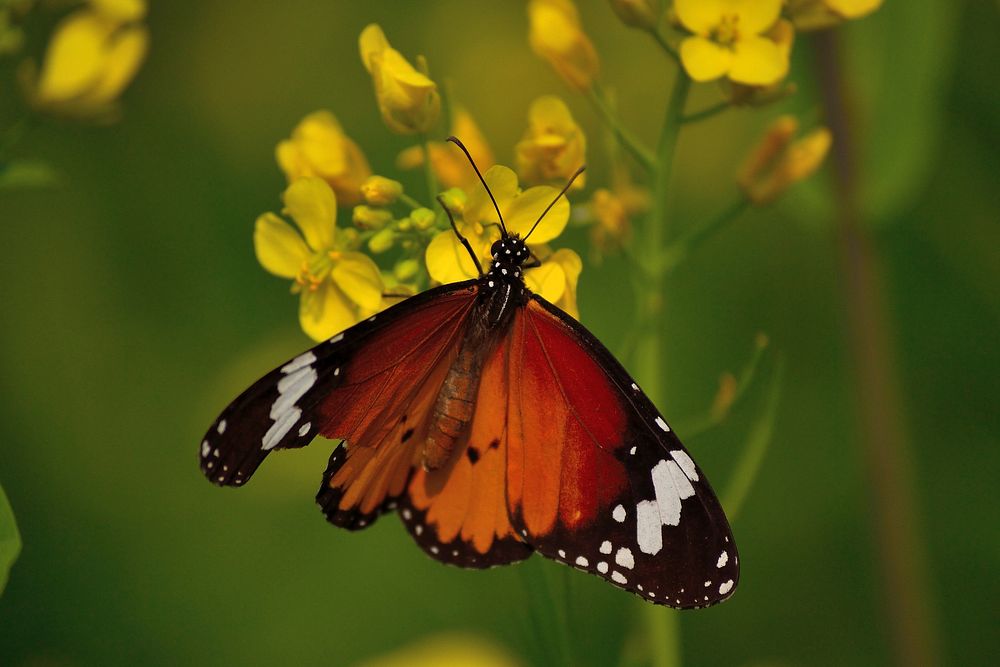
[(700, 16), (525, 209), (757, 61), (359, 279), (447, 259), (325, 311), (705, 60), (279, 248), (371, 42), (122, 61), (756, 16), (75, 57), (313, 206), (122, 11), (853, 9), (502, 182), (547, 280)]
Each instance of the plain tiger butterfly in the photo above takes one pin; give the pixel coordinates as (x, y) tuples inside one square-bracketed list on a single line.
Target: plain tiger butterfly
[(495, 425)]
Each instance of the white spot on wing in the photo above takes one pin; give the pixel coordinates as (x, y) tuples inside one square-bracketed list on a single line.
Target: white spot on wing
[(726, 587), (618, 577), (647, 527), (582, 562), (662, 424), (562, 554), (618, 514), (602, 567), (624, 558), (298, 362), (304, 428), (686, 464), (336, 339), (221, 428), (723, 559), (605, 547), (205, 448), (667, 499)]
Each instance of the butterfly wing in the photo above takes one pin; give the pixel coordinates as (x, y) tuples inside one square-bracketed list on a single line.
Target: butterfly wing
[(596, 478), (360, 385)]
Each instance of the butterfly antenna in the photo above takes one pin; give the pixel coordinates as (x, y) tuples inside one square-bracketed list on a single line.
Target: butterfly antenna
[(482, 180), (465, 241), (561, 193)]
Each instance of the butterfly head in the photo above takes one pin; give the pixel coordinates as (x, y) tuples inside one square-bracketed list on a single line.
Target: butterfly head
[(509, 253)]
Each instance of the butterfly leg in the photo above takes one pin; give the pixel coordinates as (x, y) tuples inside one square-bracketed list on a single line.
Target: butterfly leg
[(465, 241), (532, 262)]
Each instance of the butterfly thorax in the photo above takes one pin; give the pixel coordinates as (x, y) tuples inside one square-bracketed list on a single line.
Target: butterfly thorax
[(502, 287)]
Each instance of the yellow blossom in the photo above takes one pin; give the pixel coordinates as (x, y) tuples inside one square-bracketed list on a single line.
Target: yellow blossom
[(818, 14), (781, 33), (447, 160), (556, 35), (94, 53), (319, 147), (728, 40), (408, 99), (778, 162), (556, 279), (448, 261), (553, 147), (336, 285), (611, 227), (381, 191)]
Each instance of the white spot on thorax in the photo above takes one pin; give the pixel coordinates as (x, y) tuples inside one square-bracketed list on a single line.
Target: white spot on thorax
[(618, 514), (605, 547), (723, 559), (662, 424)]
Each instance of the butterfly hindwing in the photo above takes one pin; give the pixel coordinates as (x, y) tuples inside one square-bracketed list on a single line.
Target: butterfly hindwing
[(597, 479)]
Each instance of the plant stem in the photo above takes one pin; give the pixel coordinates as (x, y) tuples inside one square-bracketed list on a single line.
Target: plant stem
[(707, 112), (664, 44), (628, 140), (678, 251), (662, 624), (901, 550)]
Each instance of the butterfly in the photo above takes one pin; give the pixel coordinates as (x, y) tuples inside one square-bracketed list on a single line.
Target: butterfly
[(495, 425)]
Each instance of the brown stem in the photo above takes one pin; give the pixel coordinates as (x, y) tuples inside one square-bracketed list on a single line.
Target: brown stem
[(880, 406)]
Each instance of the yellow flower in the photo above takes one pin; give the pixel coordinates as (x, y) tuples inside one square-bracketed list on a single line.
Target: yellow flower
[(448, 161), (381, 191), (556, 35), (448, 261), (553, 147), (741, 94), (408, 99), (728, 40), (319, 147), (337, 286), (611, 226), (777, 162), (445, 651), (94, 53), (818, 14), (555, 280)]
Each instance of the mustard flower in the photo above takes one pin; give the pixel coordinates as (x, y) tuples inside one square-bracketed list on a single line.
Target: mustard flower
[(319, 147), (94, 53), (818, 14), (381, 191), (408, 99), (555, 34), (553, 147), (448, 261), (728, 40), (449, 163), (777, 162), (611, 225), (336, 285)]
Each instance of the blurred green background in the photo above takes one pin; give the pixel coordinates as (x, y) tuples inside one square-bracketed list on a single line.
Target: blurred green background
[(133, 310)]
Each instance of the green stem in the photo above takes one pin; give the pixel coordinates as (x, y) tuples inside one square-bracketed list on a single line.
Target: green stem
[(678, 251), (662, 624), (410, 201), (707, 112), (630, 142), (665, 45)]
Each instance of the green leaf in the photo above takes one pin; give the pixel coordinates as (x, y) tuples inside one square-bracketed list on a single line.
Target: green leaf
[(26, 174), (758, 441), (10, 539)]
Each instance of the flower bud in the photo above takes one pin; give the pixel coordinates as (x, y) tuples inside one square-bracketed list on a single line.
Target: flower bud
[(423, 218), (366, 217), (406, 269), (381, 191), (553, 147), (454, 200), (319, 147), (642, 14), (382, 241), (556, 35), (777, 163)]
